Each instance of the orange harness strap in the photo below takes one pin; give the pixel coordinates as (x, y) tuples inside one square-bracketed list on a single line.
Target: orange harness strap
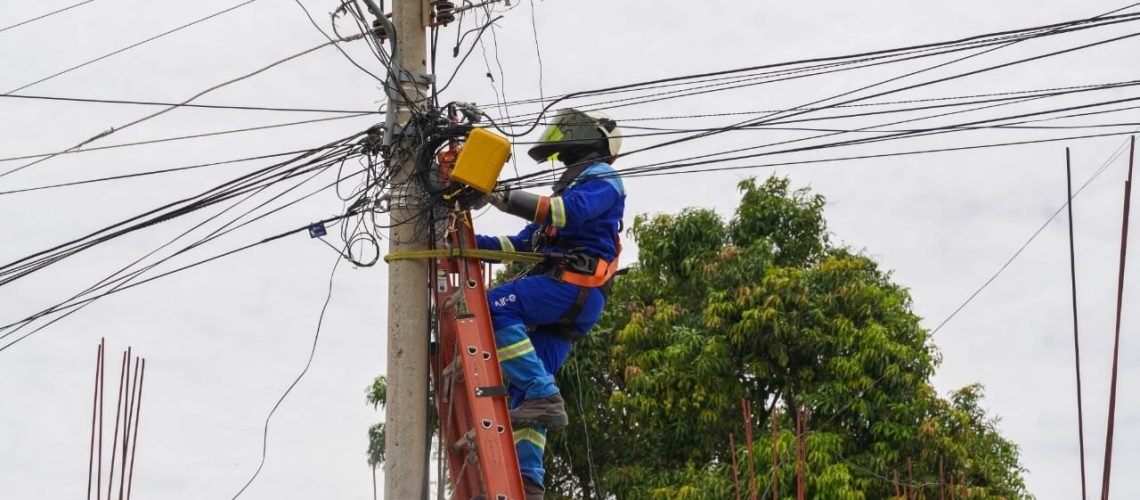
[(602, 274)]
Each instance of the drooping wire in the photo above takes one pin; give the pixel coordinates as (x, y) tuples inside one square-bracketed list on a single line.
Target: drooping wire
[(537, 53), (308, 363), (338, 47), (501, 90), (478, 37)]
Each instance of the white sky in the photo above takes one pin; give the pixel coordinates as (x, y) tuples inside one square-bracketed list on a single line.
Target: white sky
[(224, 340)]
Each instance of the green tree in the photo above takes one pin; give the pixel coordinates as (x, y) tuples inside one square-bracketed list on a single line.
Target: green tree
[(764, 308), (377, 397)]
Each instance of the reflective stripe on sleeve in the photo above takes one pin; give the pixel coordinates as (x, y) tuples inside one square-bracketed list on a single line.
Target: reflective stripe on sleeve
[(515, 350), (557, 212)]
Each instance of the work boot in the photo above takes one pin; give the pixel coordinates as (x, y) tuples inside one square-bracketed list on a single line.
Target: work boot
[(534, 491), (549, 412)]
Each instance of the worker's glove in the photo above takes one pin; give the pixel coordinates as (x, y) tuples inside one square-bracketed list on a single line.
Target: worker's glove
[(499, 199)]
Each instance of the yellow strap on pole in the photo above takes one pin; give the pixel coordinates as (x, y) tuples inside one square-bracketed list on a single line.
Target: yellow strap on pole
[(467, 252)]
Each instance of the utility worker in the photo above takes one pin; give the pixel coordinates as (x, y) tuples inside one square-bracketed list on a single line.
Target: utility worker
[(538, 317)]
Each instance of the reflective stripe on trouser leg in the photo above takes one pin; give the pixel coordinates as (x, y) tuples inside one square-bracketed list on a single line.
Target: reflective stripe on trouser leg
[(521, 365), (530, 442)]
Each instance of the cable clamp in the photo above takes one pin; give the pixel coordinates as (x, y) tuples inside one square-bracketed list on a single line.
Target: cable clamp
[(409, 77), (404, 196)]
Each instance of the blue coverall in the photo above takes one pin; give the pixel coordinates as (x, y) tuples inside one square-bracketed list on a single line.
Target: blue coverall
[(587, 214)]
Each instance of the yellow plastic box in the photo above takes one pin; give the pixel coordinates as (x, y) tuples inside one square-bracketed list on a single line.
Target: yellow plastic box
[(481, 160)]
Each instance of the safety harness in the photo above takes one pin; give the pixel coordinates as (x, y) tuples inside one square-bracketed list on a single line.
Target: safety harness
[(584, 271)]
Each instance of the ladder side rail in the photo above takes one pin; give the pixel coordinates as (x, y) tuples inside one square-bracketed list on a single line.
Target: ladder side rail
[(496, 446), (451, 404)]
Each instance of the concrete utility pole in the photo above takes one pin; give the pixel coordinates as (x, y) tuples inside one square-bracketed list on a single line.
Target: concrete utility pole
[(405, 464)]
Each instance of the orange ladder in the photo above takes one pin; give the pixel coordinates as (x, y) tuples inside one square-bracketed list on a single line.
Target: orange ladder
[(467, 381)]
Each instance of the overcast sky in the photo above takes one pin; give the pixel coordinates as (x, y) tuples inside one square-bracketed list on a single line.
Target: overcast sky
[(222, 341)]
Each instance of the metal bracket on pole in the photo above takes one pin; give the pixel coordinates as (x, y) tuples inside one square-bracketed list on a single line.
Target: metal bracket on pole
[(409, 77), (405, 196)]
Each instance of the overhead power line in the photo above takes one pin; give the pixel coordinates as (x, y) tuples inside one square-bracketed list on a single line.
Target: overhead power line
[(314, 160), (184, 137), (792, 67), (676, 170), (43, 16), (772, 118), (118, 281), (904, 88), (201, 106), (72, 307), (986, 97), (150, 172), (184, 102), (128, 47)]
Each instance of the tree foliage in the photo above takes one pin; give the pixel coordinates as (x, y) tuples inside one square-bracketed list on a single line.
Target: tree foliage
[(764, 308), (377, 396)]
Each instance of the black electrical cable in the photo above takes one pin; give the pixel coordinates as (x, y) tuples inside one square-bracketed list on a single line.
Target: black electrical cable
[(679, 131), (178, 105), (42, 16), (149, 172), (738, 78), (988, 97), (338, 47), (766, 119), (308, 363), (774, 125), (131, 46), (74, 304), (769, 78), (189, 105), (115, 281), (761, 120), (243, 184), (185, 137), (674, 165), (263, 241), (901, 89), (467, 54), (673, 171), (901, 134), (1055, 29)]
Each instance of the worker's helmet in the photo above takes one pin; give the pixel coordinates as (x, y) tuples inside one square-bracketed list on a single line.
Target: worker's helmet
[(574, 131)]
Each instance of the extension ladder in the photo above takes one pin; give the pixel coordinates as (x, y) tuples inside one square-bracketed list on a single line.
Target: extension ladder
[(467, 381)]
